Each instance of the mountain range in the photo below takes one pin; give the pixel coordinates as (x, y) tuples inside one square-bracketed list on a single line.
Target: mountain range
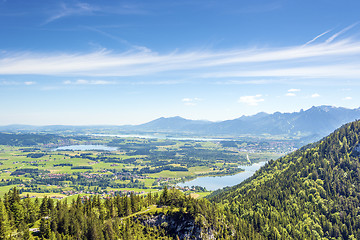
[(311, 193), (313, 123), (320, 120)]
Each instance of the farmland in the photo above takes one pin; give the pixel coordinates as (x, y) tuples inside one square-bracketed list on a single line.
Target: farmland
[(135, 164)]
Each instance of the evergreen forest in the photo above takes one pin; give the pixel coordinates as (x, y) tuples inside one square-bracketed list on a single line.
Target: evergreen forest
[(312, 193)]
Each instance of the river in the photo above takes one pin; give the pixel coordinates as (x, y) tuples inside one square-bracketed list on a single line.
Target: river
[(210, 183), (217, 182)]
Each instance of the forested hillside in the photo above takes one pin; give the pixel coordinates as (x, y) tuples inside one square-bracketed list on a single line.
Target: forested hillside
[(313, 193), (169, 215), (28, 139)]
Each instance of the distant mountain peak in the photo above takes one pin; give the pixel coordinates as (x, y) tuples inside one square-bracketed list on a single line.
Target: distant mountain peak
[(178, 117), (252, 117), (170, 118), (325, 108), (314, 122)]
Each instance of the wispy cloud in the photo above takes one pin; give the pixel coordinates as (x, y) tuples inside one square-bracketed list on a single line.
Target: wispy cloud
[(332, 38), (315, 95), (88, 82), (166, 82), (28, 83), (319, 60), (246, 82), (347, 98), (16, 83), (294, 90), (329, 71), (318, 36), (120, 40), (85, 9), (191, 101), (8, 83), (251, 100), (66, 10)]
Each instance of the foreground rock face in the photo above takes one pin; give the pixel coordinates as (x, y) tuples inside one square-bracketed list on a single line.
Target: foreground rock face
[(180, 225)]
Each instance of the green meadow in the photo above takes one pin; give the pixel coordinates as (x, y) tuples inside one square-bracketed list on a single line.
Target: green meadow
[(139, 165)]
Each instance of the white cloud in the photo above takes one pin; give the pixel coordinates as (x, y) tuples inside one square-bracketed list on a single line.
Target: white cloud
[(294, 90), (246, 82), (331, 71), (332, 38), (321, 62), (29, 83), (87, 82), (120, 40), (16, 83), (347, 98), (8, 83), (67, 10), (86, 9), (166, 82), (318, 36), (315, 95), (191, 101), (251, 100)]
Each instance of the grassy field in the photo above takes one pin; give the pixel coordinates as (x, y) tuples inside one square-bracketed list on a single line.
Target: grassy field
[(58, 172)]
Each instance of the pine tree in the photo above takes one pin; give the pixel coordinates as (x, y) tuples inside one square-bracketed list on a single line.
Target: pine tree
[(44, 207), (4, 221), (44, 228), (164, 196)]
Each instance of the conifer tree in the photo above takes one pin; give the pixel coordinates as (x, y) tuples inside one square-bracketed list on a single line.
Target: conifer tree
[(44, 228), (5, 228)]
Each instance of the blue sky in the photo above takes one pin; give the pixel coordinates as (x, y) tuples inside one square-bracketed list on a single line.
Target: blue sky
[(129, 62)]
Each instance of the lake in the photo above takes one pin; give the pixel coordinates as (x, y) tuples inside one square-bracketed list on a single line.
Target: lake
[(85, 148), (217, 182), (157, 136)]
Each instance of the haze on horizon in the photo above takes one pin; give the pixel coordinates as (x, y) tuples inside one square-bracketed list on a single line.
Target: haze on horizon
[(130, 62)]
